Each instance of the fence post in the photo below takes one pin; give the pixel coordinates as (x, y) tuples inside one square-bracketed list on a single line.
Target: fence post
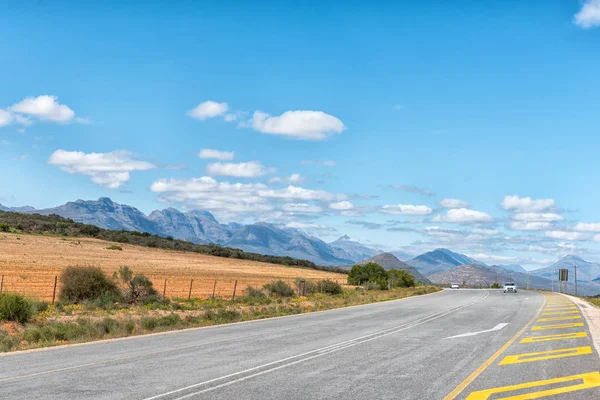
[(165, 289), (234, 287), (54, 290), (1, 283), (190, 293), (214, 288)]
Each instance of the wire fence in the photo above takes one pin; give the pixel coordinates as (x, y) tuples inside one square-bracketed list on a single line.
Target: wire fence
[(47, 288)]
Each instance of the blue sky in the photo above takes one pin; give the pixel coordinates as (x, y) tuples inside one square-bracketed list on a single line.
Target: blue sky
[(342, 117)]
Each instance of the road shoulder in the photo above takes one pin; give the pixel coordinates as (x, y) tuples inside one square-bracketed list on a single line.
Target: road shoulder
[(591, 313)]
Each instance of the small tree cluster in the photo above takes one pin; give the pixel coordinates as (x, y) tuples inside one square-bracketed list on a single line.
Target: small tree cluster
[(374, 275)]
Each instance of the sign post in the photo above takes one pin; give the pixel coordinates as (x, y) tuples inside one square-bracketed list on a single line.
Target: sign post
[(563, 276)]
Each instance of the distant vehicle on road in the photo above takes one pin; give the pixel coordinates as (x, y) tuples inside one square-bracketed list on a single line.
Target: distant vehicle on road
[(455, 286), (510, 287)]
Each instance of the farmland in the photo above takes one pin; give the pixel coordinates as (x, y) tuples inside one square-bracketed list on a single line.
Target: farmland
[(30, 263)]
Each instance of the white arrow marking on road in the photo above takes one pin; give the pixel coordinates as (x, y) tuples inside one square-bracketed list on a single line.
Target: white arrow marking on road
[(496, 328)]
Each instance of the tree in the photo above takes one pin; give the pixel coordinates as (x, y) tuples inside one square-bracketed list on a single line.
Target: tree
[(370, 272), (400, 278), (136, 287)]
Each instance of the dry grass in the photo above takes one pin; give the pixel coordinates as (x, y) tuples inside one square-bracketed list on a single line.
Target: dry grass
[(29, 264)]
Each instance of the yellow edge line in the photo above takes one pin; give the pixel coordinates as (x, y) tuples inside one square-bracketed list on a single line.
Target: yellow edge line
[(463, 385)]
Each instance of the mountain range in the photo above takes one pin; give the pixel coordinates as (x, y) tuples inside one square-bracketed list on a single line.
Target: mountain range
[(202, 227), (586, 271), (440, 260)]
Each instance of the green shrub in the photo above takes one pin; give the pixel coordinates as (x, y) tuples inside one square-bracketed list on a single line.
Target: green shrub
[(370, 272), (151, 323), (86, 283), (107, 326), (279, 289), (400, 278), (329, 287), (14, 307), (309, 286), (253, 293), (4, 228), (496, 285), (39, 306), (114, 247), (136, 287), (8, 342)]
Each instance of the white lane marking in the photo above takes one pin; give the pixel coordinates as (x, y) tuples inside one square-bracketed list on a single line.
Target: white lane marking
[(133, 357), (289, 361), (496, 328)]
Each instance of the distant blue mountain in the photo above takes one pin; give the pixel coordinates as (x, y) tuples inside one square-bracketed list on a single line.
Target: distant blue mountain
[(513, 267), (201, 226), (586, 271), (440, 260)]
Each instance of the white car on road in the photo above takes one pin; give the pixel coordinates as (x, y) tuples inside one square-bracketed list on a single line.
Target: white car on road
[(510, 287), (454, 286)]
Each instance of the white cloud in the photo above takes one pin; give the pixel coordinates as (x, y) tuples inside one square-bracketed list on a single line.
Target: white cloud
[(487, 232), (453, 203), (252, 169), (324, 163), (397, 107), (464, 215), (530, 225), (313, 227), (109, 170), (208, 109), (45, 108), (294, 178), (342, 205), (526, 204), (548, 217), (589, 15), (216, 154), (597, 238), (298, 193), (209, 194), (300, 124), (6, 118), (563, 235), (405, 209), (301, 207), (588, 227)]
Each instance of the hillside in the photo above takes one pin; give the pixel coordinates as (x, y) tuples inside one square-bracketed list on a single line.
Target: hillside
[(29, 264), (389, 261), (440, 260), (57, 225), (201, 227), (586, 271)]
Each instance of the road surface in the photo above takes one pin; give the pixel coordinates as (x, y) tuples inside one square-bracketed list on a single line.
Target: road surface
[(454, 344)]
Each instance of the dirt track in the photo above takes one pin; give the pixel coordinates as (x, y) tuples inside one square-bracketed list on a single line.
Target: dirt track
[(29, 264)]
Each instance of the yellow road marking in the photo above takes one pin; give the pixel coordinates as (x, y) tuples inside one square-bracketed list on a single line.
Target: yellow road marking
[(545, 355), (561, 312), (556, 326), (563, 318), (560, 336), (589, 380), (457, 390), (562, 306)]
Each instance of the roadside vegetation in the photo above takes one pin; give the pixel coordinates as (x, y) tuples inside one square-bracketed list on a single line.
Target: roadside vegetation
[(94, 306), (58, 226)]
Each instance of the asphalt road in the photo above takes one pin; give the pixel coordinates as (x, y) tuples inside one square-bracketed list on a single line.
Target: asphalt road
[(395, 350)]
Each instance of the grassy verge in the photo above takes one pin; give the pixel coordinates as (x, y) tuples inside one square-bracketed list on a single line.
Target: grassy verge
[(63, 324), (593, 300)]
